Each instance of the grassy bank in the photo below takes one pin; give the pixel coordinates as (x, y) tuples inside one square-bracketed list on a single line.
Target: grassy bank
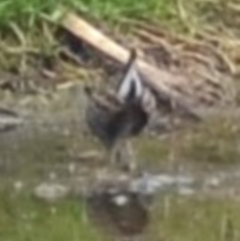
[(28, 27), (30, 23), (27, 14)]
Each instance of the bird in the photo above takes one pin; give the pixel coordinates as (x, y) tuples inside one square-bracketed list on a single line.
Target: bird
[(115, 115)]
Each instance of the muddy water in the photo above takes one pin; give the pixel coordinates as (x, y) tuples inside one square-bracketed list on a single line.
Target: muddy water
[(51, 151)]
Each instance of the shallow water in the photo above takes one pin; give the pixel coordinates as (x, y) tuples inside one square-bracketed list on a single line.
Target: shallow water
[(52, 147)]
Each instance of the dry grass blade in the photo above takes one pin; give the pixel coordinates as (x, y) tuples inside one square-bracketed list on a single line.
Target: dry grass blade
[(48, 33), (234, 7), (23, 43), (184, 17), (18, 50), (18, 33), (146, 36)]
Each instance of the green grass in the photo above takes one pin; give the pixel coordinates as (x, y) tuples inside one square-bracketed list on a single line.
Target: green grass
[(32, 24), (26, 17), (173, 218), (185, 219), (27, 13), (24, 218)]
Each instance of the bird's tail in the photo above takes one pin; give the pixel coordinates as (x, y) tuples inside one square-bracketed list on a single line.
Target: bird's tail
[(131, 85)]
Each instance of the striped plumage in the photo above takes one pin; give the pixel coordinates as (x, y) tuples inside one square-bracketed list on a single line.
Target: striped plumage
[(118, 114)]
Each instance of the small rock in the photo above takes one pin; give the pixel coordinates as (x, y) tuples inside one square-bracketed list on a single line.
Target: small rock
[(213, 182), (186, 191), (71, 168), (50, 191), (18, 185), (88, 155), (52, 176)]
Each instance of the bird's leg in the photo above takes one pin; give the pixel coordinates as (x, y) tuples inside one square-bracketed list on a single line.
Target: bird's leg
[(114, 154), (131, 155)]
